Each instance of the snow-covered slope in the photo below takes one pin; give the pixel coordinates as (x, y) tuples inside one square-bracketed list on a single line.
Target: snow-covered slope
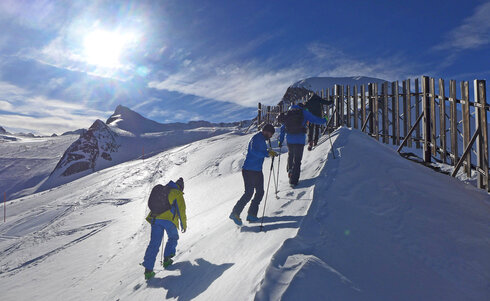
[(318, 83), (126, 135), (26, 162), (379, 228)]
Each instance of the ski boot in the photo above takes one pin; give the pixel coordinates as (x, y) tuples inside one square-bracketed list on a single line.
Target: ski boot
[(236, 218), (167, 261), (252, 218), (149, 274)]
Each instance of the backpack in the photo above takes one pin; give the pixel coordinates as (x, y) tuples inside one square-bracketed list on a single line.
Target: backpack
[(158, 200), (294, 122)]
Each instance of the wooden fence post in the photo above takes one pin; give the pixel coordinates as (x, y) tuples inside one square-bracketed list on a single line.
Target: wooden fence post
[(465, 105), (385, 121), (407, 108), (453, 122), (427, 118), (442, 120), (347, 98), (417, 113), (395, 107), (375, 112), (337, 104), (342, 106), (259, 113), (363, 104), (356, 108), (432, 92), (482, 141)]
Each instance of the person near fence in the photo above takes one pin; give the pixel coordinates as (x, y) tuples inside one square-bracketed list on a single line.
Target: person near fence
[(314, 104), (253, 177), (170, 196), (294, 129)]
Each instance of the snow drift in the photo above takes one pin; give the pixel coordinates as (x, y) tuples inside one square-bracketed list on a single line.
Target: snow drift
[(368, 225)]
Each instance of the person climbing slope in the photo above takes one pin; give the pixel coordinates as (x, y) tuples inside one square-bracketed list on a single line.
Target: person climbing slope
[(167, 209), (314, 105), (253, 177), (294, 128)]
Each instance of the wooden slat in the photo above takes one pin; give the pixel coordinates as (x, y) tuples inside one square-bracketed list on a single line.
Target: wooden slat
[(356, 108), (482, 141), (395, 107), (417, 113), (363, 103), (375, 112), (427, 118), (442, 120), (409, 112), (259, 114), (453, 122), (409, 133), (342, 106), (465, 105), (433, 138), (347, 98), (337, 105), (385, 121)]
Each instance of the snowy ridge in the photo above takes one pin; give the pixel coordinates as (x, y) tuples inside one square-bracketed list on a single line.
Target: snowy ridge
[(318, 83), (368, 225)]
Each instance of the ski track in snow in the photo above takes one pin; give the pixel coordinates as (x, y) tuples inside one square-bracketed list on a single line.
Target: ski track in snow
[(85, 240)]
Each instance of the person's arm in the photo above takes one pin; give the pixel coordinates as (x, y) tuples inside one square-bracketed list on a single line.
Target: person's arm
[(313, 119), (182, 215), (258, 148)]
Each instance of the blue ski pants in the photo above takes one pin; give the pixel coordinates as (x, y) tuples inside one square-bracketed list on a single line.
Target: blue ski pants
[(158, 227)]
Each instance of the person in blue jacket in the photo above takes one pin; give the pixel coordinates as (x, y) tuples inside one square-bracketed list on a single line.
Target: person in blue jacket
[(296, 136), (253, 177)]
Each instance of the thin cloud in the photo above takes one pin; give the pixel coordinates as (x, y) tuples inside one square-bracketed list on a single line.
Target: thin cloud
[(244, 84), (473, 33), (24, 111)]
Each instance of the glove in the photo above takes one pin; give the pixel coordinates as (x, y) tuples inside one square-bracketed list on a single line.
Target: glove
[(272, 153)]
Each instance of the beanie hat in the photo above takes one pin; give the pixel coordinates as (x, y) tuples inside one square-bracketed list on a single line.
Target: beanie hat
[(269, 128), (180, 183)]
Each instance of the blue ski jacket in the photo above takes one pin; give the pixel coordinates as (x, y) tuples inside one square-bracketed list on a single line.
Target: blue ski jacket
[(257, 151), (300, 138)]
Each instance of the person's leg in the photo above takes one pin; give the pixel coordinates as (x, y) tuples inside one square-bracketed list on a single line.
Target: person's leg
[(298, 156), (172, 238), (153, 246), (310, 132), (248, 181), (290, 158), (317, 133), (259, 194)]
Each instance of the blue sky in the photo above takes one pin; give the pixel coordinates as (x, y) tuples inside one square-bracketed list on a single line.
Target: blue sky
[(65, 63)]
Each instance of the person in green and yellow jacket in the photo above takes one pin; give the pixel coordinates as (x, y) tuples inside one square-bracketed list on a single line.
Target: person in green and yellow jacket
[(167, 221)]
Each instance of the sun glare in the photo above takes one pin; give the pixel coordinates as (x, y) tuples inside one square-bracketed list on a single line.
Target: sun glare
[(104, 48)]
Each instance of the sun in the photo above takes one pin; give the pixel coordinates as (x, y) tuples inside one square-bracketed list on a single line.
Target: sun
[(104, 48)]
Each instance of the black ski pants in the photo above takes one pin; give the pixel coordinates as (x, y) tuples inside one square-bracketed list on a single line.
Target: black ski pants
[(295, 155), (313, 132), (254, 180)]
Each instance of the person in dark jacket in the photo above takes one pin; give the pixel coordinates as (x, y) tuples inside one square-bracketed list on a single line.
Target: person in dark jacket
[(314, 105), (253, 176), (296, 143)]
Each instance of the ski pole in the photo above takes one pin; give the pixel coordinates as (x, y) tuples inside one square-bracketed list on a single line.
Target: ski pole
[(278, 168), (276, 181), (266, 194)]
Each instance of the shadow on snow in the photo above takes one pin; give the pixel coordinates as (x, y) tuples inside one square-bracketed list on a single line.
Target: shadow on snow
[(192, 281)]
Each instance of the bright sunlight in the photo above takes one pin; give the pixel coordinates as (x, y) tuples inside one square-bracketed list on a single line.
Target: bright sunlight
[(104, 48)]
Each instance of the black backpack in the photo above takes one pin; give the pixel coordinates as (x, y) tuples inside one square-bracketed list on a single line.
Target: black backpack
[(158, 200), (294, 122)]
